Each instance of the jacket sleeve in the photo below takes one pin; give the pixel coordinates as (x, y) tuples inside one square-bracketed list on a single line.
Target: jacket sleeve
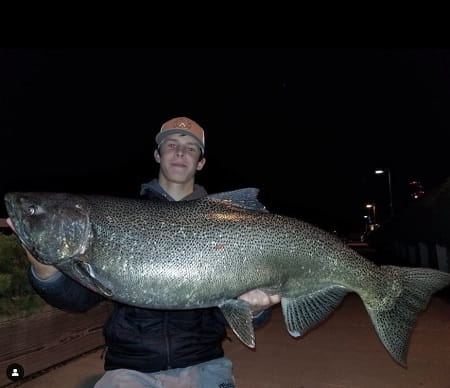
[(259, 318), (262, 317), (63, 292)]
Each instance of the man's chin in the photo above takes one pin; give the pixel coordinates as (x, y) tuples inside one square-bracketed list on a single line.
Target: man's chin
[(179, 177)]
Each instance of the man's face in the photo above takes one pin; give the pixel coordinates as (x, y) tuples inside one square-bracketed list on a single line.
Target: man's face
[(179, 158)]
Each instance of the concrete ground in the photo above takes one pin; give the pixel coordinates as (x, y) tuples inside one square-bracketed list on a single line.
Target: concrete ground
[(343, 352)]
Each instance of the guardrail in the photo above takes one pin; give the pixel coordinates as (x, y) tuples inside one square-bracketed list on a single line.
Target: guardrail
[(48, 338), (3, 223)]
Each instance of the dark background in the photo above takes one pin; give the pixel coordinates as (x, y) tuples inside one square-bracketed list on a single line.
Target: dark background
[(306, 126)]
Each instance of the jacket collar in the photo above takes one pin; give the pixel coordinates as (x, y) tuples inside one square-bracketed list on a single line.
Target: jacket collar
[(153, 189)]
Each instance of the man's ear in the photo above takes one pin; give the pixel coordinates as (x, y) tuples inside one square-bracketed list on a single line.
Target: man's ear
[(157, 156), (200, 164)]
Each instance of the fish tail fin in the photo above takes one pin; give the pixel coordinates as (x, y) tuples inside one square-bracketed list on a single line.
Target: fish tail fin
[(394, 324)]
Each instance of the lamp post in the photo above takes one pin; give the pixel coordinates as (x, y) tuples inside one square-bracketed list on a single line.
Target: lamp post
[(388, 171), (372, 206)]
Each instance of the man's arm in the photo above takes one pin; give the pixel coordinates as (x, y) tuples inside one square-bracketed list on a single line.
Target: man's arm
[(56, 288), (63, 292)]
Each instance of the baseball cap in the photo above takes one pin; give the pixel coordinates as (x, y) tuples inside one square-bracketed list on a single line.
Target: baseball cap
[(182, 125)]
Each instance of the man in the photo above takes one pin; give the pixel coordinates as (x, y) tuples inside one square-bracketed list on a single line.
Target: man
[(159, 348)]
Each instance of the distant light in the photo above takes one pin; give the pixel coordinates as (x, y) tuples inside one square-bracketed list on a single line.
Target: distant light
[(379, 171), (366, 216), (369, 205)]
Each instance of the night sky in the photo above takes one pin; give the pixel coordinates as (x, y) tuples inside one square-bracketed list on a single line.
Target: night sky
[(306, 126)]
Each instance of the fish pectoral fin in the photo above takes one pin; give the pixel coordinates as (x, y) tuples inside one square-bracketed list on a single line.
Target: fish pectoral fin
[(239, 316), (304, 312), (94, 280)]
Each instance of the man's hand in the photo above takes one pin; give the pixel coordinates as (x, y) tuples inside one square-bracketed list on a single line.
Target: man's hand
[(259, 300), (43, 271)]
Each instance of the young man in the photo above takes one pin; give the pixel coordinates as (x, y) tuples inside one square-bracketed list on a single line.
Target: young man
[(159, 348)]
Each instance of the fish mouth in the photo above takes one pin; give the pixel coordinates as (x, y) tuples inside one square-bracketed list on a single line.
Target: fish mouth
[(8, 200), (13, 220), (10, 224), (11, 210)]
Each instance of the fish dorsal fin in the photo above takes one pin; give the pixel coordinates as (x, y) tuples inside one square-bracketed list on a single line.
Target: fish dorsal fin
[(244, 198), (304, 312), (239, 316)]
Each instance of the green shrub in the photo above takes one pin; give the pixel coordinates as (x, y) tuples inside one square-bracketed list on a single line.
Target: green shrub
[(5, 284), (17, 297)]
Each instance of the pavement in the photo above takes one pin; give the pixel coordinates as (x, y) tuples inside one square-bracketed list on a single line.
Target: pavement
[(342, 352)]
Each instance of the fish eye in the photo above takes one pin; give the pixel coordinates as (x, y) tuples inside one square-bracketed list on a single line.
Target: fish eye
[(31, 210)]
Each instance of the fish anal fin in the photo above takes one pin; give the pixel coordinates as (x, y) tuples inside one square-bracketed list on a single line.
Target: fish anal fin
[(239, 316), (304, 312)]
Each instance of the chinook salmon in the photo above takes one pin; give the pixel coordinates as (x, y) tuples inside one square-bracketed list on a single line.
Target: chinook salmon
[(207, 252)]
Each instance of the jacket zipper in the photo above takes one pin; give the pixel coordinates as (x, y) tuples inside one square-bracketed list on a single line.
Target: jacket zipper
[(166, 338)]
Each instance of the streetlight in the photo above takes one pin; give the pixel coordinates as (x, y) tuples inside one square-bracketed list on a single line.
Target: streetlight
[(372, 206), (391, 206)]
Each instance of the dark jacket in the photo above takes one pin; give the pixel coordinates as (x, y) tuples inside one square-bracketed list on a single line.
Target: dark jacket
[(143, 339)]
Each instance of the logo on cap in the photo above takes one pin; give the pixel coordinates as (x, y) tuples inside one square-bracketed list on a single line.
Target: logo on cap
[(182, 123)]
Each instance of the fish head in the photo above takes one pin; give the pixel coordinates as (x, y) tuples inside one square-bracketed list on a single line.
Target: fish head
[(54, 227)]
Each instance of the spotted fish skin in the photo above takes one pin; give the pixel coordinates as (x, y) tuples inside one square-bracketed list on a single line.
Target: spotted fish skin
[(207, 252)]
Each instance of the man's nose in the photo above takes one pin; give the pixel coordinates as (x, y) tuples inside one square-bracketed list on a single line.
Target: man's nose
[(180, 150)]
